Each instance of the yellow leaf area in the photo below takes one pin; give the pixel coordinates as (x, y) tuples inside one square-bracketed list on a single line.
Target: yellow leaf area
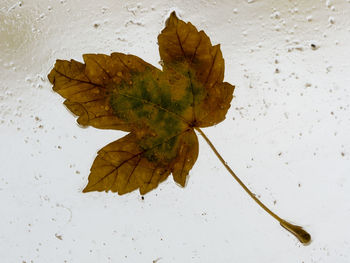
[(159, 108)]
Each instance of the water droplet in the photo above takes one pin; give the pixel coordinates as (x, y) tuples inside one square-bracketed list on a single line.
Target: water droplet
[(313, 46), (331, 20), (276, 15)]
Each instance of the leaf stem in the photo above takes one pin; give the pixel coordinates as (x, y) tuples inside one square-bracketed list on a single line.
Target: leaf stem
[(303, 236)]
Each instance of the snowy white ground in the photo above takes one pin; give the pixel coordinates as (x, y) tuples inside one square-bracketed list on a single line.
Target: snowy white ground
[(287, 135)]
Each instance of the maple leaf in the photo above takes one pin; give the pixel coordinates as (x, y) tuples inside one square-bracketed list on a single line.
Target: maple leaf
[(161, 109)]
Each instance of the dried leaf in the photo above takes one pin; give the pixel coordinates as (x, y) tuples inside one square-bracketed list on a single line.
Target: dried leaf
[(160, 109)]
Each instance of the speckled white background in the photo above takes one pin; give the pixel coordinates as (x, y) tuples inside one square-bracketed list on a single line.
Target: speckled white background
[(287, 135)]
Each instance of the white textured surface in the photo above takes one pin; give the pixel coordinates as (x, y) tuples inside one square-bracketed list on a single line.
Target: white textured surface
[(287, 135)]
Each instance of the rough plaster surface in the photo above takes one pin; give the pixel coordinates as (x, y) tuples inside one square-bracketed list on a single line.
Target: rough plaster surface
[(287, 135)]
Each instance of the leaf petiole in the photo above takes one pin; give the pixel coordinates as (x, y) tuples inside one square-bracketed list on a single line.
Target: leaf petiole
[(303, 236)]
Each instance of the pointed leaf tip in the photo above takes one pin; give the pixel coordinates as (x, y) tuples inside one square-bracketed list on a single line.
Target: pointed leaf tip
[(172, 19)]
